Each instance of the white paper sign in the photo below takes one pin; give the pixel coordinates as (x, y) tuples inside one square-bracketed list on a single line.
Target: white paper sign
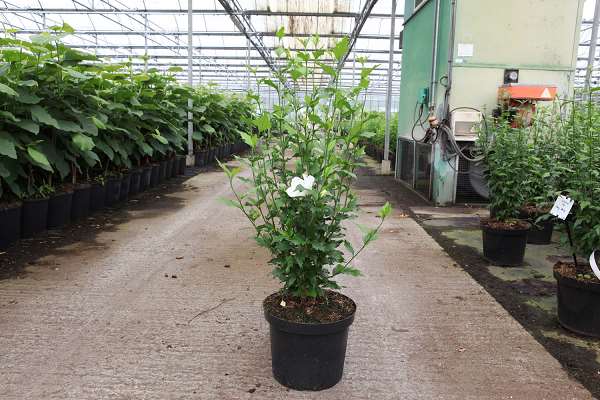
[(594, 265), (465, 50), (562, 207)]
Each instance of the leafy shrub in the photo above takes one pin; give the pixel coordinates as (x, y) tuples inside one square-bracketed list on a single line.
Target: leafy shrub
[(302, 164)]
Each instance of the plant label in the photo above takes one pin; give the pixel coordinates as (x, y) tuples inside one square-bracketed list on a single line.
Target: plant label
[(594, 265), (562, 207)]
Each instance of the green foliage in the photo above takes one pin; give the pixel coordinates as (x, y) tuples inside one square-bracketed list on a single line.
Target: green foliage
[(302, 164), (67, 116), (375, 127), (559, 153)]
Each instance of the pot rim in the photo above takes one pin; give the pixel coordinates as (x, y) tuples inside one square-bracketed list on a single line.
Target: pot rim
[(35, 200), (306, 328), (10, 206), (490, 229), (590, 286)]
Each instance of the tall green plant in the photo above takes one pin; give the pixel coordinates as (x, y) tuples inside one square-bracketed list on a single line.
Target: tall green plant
[(301, 167)]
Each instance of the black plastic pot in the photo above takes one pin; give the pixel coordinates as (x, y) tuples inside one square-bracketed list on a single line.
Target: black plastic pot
[(504, 247), (10, 221), (113, 190), (34, 217), (541, 233), (181, 165), (578, 309), (146, 177), (162, 171), (155, 175), (125, 187), (211, 154), (174, 167), (59, 209), (97, 197), (136, 178), (199, 161), (169, 169), (80, 204), (308, 356)]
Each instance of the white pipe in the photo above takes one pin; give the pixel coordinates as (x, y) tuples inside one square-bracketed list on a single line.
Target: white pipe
[(388, 100), (190, 127), (593, 43), (436, 34)]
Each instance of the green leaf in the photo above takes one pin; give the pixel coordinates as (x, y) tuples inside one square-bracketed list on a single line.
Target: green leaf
[(160, 138), (368, 134), (39, 114), (250, 140), (328, 69), (229, 202), (7, 145), (7, 90), (280, 33), (263, 122), (29, 126), (341, 48), (385, 210), (83, 142), (99, 124), (39, 158), (349, 247)]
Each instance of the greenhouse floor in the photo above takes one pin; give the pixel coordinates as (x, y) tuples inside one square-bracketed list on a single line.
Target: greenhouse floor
[(162, 300)]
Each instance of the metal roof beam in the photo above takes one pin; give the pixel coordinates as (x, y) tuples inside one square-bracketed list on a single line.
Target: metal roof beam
[(358, 25)]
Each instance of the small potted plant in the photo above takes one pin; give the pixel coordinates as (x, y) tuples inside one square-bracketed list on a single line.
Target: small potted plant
[(505, 158), (302, 165)]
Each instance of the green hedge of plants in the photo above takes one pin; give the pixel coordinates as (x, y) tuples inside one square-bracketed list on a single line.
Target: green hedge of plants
[(68, 117), (376, 124), (558, 154)]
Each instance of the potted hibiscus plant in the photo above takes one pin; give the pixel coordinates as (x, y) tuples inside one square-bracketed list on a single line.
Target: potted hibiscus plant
[(506, 161), (296, 192)]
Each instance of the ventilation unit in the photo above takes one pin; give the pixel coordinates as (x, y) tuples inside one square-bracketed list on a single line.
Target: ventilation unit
[(465, 124)]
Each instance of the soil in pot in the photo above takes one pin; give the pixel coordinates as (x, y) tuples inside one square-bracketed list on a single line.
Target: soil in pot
[(59, 208), (134, 185), (97, 196), (578, 296), (80, 205), (34, 217), (162, 171), (145, 177), (10, 221), (504, 242), (113, 190), (308, 339), (155, 175)]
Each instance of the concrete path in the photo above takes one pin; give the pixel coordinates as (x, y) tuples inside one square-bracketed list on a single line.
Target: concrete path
[(114, 318)]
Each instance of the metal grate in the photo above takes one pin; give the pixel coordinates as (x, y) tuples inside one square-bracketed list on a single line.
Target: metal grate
[(405, 161), (423, 170), (466, 192)]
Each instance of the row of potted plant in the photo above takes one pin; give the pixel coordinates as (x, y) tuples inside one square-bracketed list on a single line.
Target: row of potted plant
[(69, 120), (375, 143), (527, 168)]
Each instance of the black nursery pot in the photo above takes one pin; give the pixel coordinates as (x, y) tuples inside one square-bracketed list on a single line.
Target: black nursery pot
[(181, 165), (97, 197), (34, 217), (59, 209), (578, 309), (541, 233), (145, 178), (308, 356), (504, 247), (162, 171), (125, 187), (174, 167), (10, 221), (136, 178), (155, 175), (113, 190), (198, 161), (205, 156), (169, 170), (80, 204)]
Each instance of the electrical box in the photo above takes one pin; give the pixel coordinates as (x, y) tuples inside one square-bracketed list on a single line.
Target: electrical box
[(465, 124), (424, 96)]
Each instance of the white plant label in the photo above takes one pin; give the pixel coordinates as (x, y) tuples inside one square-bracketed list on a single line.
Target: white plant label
[(562, 207), (594, 265)]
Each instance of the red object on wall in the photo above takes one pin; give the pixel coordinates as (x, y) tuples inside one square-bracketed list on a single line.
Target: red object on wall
[(523, 99)]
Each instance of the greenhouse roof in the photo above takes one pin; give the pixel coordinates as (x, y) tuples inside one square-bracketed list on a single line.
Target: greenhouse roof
[(118, 30)]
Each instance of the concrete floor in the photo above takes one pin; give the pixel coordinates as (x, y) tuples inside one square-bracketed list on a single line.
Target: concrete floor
[(112, 318)]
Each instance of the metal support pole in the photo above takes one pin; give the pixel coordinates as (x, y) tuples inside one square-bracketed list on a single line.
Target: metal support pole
[(385, 164), (145, 42), (248, 62), (353, 67), (190, 128), (593, 43)]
